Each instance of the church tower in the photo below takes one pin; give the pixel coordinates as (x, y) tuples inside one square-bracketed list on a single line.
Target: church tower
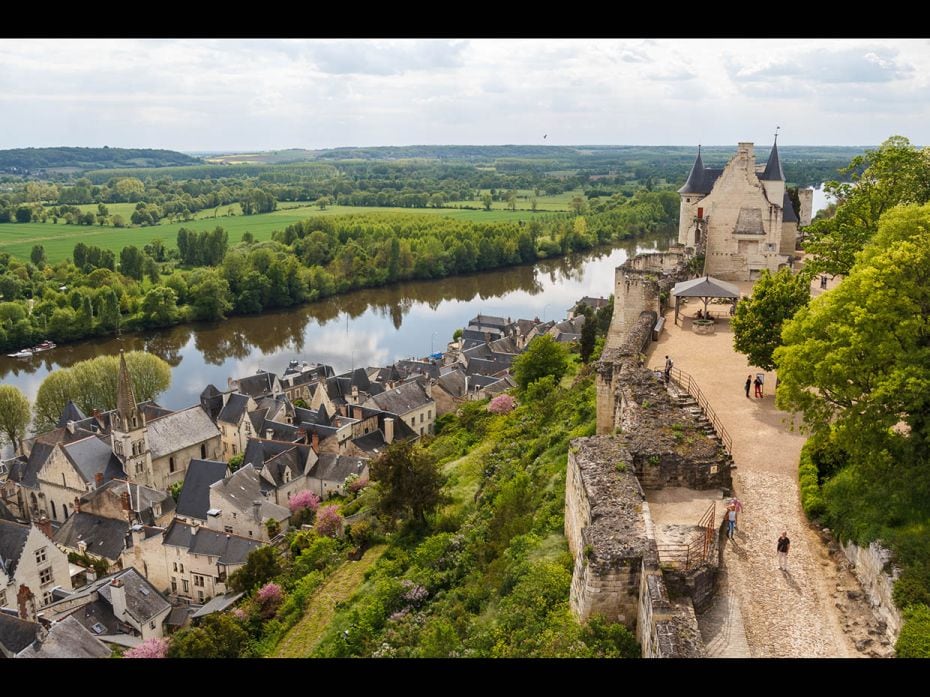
[(129, 434)]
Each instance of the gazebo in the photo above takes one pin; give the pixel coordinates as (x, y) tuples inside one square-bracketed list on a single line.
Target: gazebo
[(704, 288)]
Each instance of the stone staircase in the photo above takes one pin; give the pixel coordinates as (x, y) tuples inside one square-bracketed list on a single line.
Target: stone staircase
[(690, 405)]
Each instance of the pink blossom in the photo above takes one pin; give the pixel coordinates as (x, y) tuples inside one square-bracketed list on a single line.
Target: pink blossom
[(270, 592), (239, 614), (303, 499), (358, 484), (150, 648), (328, 521), (502, 404)]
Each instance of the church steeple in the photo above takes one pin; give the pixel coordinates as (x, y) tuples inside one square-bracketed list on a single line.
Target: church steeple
[(773, 166), (695, 183), (126, 398)]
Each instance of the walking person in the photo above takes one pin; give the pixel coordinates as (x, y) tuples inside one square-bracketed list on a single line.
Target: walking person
[(783, 544), (668, 368), (758, 383), (731, 520), (748, 385)]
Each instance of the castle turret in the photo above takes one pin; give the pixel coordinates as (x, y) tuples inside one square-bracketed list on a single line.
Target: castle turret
[(773, 181), (691, 216)]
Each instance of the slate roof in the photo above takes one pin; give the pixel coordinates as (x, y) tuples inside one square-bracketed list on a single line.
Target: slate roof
[(105, 537), (12, 540), (489, 320), (211, 401), (258, 385), (70, 413), (481, 381), (773, 171), (218, 604), (234, 408), (179, 430), (16, 634), (486, 366), (788, 215), (407, 368), (91, 456), (525, 326), (372, 442), (67, 639), (242, 489), (5, 513), (593, 303), (151, 410), (453, 382), (505, 345), (141, 497), (194, 500), (502, 385), (231, 550), (27, 473), (401, 399), (276, 456), (143, 601), (335, 468), (701, 179)]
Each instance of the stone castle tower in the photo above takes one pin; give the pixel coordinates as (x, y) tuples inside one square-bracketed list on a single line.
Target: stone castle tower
[(739, 217), (129, 435)]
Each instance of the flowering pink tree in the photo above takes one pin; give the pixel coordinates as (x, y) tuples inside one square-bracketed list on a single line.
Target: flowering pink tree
[(303, 499), (269, 598), (502, 404), (328, 521), (150, 648), (357, 484)]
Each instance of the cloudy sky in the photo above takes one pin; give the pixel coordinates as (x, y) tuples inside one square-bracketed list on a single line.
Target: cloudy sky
[(240, 95)]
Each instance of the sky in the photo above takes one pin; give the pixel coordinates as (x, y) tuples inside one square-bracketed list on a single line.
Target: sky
[(235, 95)]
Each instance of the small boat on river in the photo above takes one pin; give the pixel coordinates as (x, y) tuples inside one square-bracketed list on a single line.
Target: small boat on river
[(23, 353), (44, 346)]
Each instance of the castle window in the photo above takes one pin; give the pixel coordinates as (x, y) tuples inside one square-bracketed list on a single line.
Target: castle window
[(171, 465)]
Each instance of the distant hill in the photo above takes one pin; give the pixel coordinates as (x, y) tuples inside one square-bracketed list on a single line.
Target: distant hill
[(32, 160)]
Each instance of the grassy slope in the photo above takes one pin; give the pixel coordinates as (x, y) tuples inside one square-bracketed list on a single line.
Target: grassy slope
[(59, 239), (303, 638)]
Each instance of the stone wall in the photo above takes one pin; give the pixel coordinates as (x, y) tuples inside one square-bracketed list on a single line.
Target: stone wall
[(870, 568), (806, 197)]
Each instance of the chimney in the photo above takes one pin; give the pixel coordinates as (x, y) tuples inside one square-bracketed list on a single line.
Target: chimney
[(77, 504), (70, 427), (118, 599), (315, 442), (269, 433), (124, 501), (354, 394), (98, 480), (388, 430), (45, 525), (257, 510), (27, 604), (357, 413)]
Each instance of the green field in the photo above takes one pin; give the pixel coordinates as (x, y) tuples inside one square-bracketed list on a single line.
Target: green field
[(59, 239)]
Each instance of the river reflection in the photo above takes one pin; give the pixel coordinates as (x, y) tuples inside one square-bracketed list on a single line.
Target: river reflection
[(365, 328)]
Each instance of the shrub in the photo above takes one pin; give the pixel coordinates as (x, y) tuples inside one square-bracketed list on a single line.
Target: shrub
[(303, 499), (269, 598), (150, 648), (502, 404), (811, 496), (355, 484), (914, 640)]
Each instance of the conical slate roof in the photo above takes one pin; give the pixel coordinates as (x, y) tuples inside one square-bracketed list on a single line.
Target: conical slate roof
[(788, 213), (773, 167), (701, 179), (125, 397)]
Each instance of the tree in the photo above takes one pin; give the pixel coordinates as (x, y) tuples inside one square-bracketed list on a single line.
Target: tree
[(588, 334), (219, 635), (303, 499), (261, 566), (757, 321), (409, 482), (324, 201), (328, 521), (501, 404), (159, 307), (150, 648), (37, 255), (14, 415), (897, 172), (486, 201), (209, 293), (856, 361), (543, 357)]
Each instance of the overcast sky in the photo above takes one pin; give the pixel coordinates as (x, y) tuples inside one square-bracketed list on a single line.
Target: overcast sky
[(239, 95)]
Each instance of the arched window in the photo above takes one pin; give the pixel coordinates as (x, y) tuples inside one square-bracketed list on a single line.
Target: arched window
[(64, 509), (54, 512)]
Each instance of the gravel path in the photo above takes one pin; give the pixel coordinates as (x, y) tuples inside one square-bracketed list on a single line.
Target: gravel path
[(761, 611)]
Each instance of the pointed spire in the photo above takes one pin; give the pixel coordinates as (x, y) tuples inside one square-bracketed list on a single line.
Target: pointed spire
[(125, 397), (695, 183), (773, 166)]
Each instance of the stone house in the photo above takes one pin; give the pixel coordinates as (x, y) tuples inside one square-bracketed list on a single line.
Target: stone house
[(282, 466), (234, 423), (29, 559), (94, 535), (328, 476), (262, 384), (739, 217), (65, 639), (411, 402), (192, 562), (241, 505), (194, 499)]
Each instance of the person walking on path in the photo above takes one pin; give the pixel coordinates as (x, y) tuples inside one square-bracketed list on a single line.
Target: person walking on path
[(748, 385), (731, 520), (668, 368), (758, 383), (783, 544)]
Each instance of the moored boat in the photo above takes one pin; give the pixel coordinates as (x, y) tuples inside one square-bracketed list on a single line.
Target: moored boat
[(22, 353), (44, 346)]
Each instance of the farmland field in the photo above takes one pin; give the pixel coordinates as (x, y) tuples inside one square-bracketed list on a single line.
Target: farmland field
[(59, 239)]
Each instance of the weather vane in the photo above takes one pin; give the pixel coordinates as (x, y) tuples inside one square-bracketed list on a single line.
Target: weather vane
[(776, 132)]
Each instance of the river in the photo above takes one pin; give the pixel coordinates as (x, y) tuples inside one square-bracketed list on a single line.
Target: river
[(371, 327)]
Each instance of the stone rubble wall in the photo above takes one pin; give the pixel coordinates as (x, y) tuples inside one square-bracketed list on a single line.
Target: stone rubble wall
[(870, 568)]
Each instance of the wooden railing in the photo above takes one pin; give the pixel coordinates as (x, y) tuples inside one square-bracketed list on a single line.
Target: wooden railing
[(697, 551), (689, 385)]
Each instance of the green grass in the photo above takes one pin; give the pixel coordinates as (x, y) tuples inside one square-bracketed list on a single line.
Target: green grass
[(556, 203), (59, 239), (300, 641)]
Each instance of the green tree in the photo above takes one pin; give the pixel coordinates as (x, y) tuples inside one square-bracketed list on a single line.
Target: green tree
[(757, 321), (486, 201), (159, 307), (130, 262), (14, 415), (544, 356), (37, 255), (261, 566), (897, 172), (218, 635), (588, 334), (409, 482), (856, 361), (209, 293)]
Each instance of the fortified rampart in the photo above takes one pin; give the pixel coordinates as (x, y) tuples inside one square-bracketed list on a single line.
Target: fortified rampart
[(646, 440)]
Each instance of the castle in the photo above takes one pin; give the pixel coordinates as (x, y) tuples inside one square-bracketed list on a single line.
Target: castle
[(740, 217)]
